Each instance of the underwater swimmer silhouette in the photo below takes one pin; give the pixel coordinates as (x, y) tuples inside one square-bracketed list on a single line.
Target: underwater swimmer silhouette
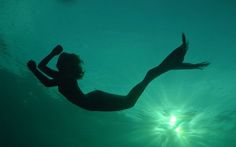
[(70, 70)]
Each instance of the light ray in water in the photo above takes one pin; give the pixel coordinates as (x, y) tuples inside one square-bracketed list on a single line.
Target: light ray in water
[(168, 125)]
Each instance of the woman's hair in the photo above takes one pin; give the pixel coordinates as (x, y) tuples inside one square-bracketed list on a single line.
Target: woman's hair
[(70, 66)]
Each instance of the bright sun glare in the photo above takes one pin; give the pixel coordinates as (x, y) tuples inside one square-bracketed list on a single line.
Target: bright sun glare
[(172, 126), (172, 121)]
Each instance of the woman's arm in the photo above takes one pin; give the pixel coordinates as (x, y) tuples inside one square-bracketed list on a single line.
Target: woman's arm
[(43, 64), (42, 78)]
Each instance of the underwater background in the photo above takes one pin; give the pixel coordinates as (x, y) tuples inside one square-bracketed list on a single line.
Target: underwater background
[(119, 40)]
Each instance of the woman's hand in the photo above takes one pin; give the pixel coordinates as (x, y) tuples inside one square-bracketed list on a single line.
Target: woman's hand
[(31, 65), (57, 50)]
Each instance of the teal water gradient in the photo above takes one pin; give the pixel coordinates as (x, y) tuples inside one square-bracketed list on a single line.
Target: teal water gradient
[(119, 41)]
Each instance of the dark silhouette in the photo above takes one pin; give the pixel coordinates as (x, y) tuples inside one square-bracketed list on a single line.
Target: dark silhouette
[(70, 70)]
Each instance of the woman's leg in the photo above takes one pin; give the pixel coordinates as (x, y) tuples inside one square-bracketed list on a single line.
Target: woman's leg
[(174, 61)]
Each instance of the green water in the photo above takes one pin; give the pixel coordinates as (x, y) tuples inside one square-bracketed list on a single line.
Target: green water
[(119, 41)]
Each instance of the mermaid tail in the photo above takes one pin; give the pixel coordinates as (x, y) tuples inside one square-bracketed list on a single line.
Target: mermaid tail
[(176, 57)]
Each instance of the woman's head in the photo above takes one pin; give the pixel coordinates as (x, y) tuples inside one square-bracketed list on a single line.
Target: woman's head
[(70, 66)]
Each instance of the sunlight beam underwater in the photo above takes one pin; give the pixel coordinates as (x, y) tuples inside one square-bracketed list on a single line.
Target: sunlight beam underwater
[(179, 126)]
